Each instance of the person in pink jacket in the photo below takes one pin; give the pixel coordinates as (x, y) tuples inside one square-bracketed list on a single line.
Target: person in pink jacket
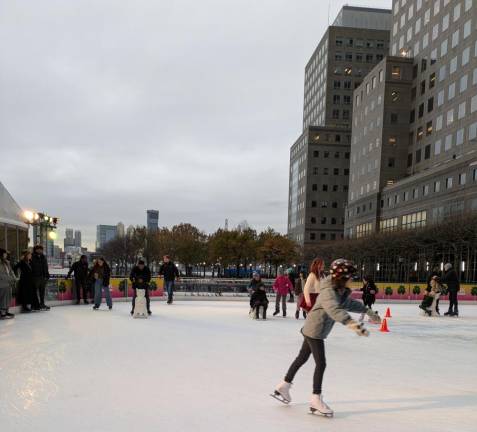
[(282, 287)]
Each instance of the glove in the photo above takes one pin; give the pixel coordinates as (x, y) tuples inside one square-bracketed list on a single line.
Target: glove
[(357, 327), (373, 316)]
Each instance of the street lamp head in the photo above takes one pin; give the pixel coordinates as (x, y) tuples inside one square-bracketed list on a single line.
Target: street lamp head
[(29, 216)]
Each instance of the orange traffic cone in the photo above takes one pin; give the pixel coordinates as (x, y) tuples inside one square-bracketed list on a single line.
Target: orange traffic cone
[(388, 313), (384, 326)]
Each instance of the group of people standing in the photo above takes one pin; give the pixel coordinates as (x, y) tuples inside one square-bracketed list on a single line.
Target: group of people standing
[(31, 274)]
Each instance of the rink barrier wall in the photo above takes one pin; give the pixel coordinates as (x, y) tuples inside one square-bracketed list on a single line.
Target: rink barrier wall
[(61, 291)]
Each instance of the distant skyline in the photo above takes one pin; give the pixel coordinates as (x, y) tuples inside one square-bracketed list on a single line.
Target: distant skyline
[(110, 108)]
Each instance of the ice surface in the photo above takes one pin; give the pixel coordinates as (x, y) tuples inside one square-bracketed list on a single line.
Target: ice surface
[(205, 366)]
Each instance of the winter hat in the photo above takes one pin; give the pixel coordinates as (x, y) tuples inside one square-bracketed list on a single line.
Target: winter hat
[(448, 266), (342, 269)]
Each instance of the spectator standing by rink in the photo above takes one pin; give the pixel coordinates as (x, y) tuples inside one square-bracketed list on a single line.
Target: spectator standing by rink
[(170, 274), (25, 285), (298, 290), (282, 287), (40, 276), (101, 274), (80, 270), (141, 277), (451, 279), (7, 280), (331, 306)]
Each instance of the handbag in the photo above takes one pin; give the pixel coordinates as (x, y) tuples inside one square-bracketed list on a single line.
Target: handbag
[(304, 306)]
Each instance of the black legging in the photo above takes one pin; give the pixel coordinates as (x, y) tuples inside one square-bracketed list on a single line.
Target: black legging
[(317, 348)]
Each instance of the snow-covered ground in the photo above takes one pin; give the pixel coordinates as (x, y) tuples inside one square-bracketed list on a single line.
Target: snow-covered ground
[(205, 366)]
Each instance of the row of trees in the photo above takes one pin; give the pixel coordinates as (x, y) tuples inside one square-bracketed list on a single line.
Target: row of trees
[(410, 255), (225, 249)]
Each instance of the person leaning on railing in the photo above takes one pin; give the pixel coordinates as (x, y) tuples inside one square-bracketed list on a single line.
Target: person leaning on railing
[(7, 280)]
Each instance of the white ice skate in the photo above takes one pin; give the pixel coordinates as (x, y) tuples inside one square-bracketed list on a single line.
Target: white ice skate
[(140, 305), (282, 392), (319, 407)]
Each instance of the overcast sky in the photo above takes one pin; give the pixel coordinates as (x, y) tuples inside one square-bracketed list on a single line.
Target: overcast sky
[(110, 107)]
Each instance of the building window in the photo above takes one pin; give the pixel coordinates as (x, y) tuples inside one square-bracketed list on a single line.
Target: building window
[(414, 220), (462, 177), (430, 104), (394, 118), (390, 224), (437, 186), (325, 188), (364, 230), (449, 182), (396, 72)]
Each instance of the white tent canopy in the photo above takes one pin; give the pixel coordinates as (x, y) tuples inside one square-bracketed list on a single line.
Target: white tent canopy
[(10, 211)]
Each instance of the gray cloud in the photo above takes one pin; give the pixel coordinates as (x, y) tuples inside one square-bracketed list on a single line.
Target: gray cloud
[(112, 107)]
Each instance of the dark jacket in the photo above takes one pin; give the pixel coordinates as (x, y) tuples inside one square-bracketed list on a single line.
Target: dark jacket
[(144, 274), (254, 284), (80, 270), (299, 285), (259, 297), (169, 271), (25, 284), (39, 266), (368, 296), (451, 279), (106, 273)]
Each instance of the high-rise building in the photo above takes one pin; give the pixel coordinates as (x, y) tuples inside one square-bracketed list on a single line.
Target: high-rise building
[(78, 238), (319, 159), (152, 220), (104, 234), (69, 238), (120, 227), (413, 160)]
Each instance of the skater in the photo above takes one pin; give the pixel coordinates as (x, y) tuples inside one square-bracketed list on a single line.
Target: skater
[(331, 306), (369, 290), (40, 275), (282, 286), (255, 283), (435, 272), (429, 302), (451, 279), (23, 270), (170, 274), (100, 275), (80, 270), (141, 277), (312, 285), (258, 301), (292, 276), (298, 290), (7, 281)]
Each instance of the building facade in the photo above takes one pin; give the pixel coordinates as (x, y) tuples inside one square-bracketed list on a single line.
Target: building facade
[(104, 234), (152, 220), (319, 159), (439, 38)]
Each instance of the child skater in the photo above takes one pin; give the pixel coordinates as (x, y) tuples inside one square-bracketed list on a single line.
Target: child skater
[(259, 300), (332, 306), (369, 290), (431, 298)]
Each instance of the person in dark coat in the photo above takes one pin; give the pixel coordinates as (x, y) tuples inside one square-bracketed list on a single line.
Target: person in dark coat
[(259, 299), (40, 276), (141, 277), (101, 275), (170, 274), (25, 285), (451, 279), (256, 282), (80, 270)]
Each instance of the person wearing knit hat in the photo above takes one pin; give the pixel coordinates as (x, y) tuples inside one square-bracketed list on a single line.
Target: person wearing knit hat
[(332, 305)]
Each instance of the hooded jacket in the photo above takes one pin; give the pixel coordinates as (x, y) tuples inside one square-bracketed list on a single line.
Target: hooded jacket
[(282, 285), (330, 306)]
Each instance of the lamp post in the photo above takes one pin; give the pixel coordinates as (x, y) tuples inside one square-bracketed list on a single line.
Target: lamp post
[(43, 227)]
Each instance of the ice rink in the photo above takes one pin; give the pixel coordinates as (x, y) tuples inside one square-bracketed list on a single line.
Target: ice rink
[(205, 366)]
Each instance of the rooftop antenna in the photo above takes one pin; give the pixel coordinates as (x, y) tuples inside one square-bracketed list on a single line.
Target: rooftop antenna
[(329, 10)]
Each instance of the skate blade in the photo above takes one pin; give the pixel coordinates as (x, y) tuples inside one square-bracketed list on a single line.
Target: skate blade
[(314, 411), (279, 398)]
